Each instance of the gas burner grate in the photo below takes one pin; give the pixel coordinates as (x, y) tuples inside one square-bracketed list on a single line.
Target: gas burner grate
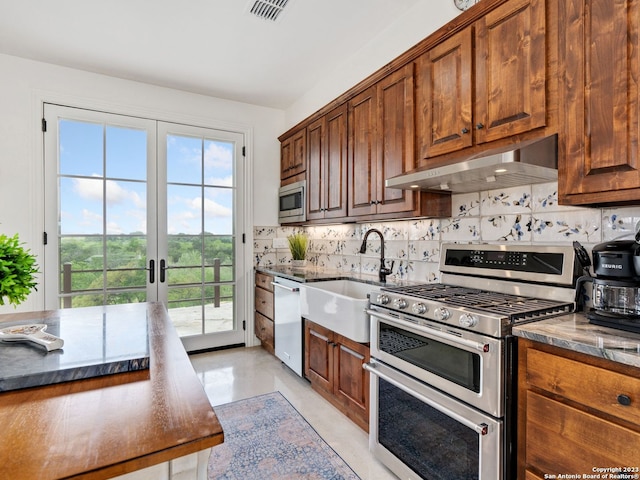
[(516, 308)]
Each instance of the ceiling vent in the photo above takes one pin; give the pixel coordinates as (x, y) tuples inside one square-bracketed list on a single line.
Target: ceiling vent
[(267, 9)]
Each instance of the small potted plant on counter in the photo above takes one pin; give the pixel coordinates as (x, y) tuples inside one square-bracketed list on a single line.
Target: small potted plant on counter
[(298, 247), (17, 271)]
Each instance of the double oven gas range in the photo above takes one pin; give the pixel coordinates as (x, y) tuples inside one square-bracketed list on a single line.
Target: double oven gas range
[(443, 360)]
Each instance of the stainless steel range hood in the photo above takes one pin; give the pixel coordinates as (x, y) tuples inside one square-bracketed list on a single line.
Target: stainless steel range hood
[(536, 162)]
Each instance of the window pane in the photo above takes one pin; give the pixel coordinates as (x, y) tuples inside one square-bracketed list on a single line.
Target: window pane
[(126, 207), (126, 153), (218, 211), (218, 310), (218, 163), (80, 148), (80, 206), (184, 206), (184, 159)]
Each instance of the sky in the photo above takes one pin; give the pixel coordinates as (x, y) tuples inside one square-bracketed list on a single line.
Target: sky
[(98, 162)]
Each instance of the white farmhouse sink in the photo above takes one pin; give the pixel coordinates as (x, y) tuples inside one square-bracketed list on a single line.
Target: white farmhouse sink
[(339, 306)]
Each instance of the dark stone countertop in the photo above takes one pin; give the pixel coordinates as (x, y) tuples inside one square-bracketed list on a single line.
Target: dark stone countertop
[(574, 332), (97, 342), (318, 274)]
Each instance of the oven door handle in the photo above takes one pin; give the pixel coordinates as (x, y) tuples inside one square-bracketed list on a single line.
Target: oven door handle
[(481, 347), (481, 429)]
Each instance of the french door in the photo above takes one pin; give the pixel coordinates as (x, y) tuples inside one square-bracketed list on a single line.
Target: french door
[(141, 210)]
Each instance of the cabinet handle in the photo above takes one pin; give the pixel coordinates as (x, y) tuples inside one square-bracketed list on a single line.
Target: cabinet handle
[(465, 130), (624, 400), (479, 126)]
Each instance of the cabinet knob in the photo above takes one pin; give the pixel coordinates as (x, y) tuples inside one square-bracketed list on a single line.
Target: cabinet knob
[(479, 126), (624, 400), (465, 130)]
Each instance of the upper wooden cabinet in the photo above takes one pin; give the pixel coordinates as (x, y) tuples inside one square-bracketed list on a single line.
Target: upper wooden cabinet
[(327, 166), (508, 82), (381, 145), (599, 48), (293, 156)]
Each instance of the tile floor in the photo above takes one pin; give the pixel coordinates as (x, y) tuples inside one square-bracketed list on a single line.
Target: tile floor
[(234, 374)]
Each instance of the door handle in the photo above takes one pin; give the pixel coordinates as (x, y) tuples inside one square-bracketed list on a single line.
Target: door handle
[(163, 268), (152, 271), (290, 289)]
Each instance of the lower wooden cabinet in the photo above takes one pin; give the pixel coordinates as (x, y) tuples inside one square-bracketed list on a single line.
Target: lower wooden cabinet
[(333, 364), (576, 413), (263, 325)]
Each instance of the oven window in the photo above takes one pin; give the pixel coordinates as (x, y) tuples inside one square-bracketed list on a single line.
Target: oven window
[(432, 444), (454, 364)]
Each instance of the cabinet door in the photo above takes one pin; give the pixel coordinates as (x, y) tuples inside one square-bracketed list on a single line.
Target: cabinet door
[(599, 52), (510, 70), (318, 352), (351, 381), (444, 100), (293, 152), (335, 180), (362, 153), (395, 134), (316, 171)]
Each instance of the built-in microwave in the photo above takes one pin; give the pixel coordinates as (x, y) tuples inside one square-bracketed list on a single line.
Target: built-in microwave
[(291, 199)]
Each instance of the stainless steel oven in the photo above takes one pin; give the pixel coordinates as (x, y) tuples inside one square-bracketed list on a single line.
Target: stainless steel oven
[(444, 363), (292, 203)]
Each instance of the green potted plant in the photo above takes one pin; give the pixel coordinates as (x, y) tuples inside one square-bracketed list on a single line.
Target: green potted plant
[(17, 271), (298, 247)]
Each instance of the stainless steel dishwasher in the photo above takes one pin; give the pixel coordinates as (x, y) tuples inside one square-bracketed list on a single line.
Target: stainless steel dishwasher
[(288, 323)]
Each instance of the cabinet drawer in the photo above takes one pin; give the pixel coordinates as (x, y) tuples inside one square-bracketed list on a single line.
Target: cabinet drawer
[(264, 302), (595, 387), (264, 331), (578, 440), (264, 281)]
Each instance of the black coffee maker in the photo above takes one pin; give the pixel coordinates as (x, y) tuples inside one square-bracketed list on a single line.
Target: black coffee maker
[(616, 285)]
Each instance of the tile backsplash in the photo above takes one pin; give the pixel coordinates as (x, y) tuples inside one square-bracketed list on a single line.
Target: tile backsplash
[(528, 214)]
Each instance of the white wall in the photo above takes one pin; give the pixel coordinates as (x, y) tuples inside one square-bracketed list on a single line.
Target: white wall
[(24, 84), (416, 24)]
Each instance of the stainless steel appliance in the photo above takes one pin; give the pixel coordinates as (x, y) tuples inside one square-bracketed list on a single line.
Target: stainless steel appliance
[(616, 286), (443, 361), (287, 323), (292, 203)]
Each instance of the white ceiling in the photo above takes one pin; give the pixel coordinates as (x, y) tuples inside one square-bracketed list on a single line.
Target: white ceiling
[(211, 47)]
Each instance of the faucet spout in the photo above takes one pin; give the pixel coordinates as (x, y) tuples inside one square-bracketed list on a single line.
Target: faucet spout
[(384, 271)]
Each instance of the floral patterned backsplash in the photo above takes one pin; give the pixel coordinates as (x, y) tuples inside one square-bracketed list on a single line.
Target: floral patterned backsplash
[(527, 214)]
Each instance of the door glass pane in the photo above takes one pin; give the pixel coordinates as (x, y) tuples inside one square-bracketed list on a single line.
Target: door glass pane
[(102, 217), (200, 225)]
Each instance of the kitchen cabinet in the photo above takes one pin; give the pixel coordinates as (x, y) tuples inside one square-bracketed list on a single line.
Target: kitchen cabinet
[(506, 94), (575, 412), (381, 145), (599, 54), (293, 157), (264, 325), (327, 166), (333, 364)]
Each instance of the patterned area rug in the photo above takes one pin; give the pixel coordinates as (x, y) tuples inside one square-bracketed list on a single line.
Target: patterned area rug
[(266, 438)]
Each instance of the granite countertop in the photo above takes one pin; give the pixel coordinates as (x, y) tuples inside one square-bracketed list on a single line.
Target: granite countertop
[(97, 342), (574, 332), (319, 274)]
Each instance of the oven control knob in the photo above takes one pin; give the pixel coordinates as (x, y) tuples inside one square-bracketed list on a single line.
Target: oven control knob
[(468, 320), (400, 303), (419, 308), (383, 299), (441, 313)]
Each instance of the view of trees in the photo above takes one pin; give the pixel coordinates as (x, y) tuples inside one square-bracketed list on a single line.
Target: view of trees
[(115, 271)]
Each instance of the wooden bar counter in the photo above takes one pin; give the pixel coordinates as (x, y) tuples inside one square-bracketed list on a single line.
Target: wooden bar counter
[(110, 425)]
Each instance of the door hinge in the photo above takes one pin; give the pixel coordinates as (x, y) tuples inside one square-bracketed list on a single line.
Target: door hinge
[(244, 151), (244, 324), (44, 238), (244, 238), (44, 124)]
